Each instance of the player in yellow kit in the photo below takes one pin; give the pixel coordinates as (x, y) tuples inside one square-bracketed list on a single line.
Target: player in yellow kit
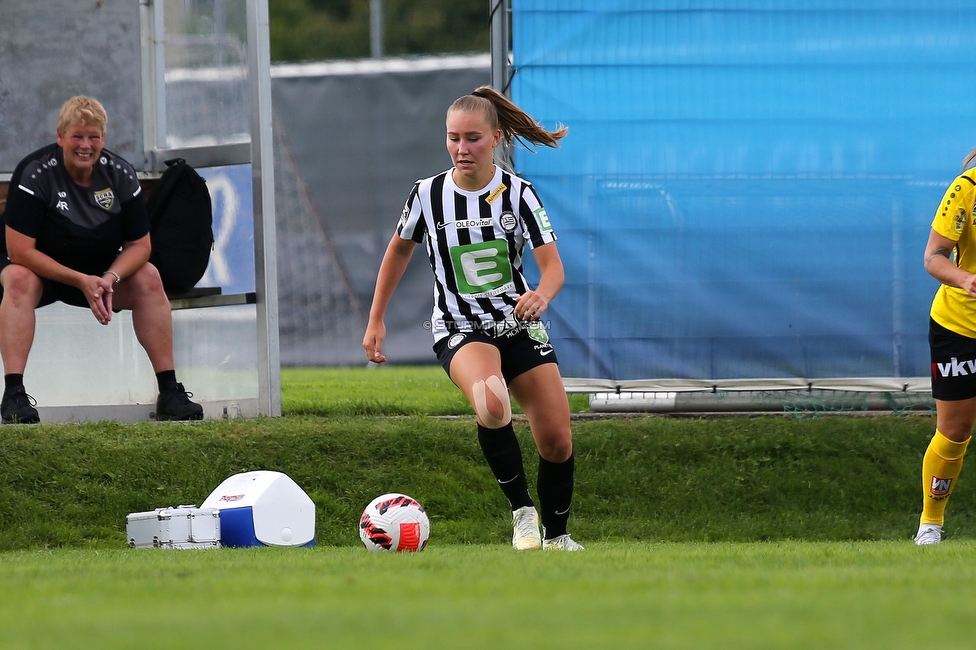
[(950, 257)]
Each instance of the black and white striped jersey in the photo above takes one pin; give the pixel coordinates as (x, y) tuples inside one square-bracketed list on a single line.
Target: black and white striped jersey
[(474, 242)]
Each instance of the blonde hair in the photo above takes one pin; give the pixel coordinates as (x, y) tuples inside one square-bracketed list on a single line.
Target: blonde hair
[(968, 160), (82, 111), (501, 113)]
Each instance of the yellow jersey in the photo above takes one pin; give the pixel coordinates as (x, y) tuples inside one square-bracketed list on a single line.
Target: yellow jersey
[(953, 308)]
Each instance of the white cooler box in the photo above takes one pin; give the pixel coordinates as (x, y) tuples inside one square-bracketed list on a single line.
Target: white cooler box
[(182, 527), (263, 508)]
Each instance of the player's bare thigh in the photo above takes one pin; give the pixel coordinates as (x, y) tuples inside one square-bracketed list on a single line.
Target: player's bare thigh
[(955, 418), (472, 368)]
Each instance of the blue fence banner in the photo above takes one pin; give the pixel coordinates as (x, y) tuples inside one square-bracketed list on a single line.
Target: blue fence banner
[(747, 187)]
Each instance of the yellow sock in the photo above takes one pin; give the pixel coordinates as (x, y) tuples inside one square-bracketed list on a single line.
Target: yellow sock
[(940, 469)]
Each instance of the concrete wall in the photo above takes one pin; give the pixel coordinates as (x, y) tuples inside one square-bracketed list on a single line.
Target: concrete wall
[(55, 49)]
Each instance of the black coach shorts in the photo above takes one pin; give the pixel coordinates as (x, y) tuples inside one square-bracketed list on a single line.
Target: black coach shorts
[(521, 349), (53, 291), (953, 364)]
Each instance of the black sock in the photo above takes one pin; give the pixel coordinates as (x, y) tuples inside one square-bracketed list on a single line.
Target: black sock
[(12, 381), (166, 380), (504, 456), (555, 495)]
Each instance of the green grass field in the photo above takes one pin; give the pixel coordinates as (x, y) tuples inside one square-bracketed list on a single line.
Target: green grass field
[(737, 532), (615, 594)]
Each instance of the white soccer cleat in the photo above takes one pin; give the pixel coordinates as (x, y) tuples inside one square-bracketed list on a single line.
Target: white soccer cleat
[(928, 534), (525, 522), (561, 543)]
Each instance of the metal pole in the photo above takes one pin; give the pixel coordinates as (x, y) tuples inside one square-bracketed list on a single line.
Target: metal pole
[(153, 77), (265, 240), (376, 28), (499, 16), (220, 31)]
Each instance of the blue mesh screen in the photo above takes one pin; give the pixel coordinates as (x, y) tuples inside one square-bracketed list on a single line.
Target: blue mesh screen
[(746, 188)]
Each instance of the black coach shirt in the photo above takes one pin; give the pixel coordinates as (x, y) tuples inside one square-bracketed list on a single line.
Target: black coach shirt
[(82, 228)]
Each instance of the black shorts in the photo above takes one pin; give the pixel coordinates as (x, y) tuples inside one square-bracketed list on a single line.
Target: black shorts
[(56, 292), (53, 291), (521, 349), (953, 364)]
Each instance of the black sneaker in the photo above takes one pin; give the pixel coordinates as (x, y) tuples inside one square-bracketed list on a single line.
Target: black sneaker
[(174, 404), (17, 407)]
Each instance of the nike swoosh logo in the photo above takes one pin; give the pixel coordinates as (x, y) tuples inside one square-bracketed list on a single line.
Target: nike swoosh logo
[(501, 482), (542, 354), (560, 514)]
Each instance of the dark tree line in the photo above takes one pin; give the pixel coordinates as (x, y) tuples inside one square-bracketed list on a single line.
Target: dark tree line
[(315, 30)]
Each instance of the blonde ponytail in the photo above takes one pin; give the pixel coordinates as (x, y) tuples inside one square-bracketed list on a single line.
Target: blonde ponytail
[(502, 114)]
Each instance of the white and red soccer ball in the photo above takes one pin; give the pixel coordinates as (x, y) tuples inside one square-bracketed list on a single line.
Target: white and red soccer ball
[(394, 523)]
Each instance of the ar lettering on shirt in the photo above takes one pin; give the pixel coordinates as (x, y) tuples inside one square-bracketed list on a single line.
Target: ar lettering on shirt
[(62, 204)]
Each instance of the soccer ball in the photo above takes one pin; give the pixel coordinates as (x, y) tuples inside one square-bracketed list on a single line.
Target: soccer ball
[(394, 522)]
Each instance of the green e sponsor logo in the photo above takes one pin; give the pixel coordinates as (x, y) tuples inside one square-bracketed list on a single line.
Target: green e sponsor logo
[(481, 267), (542, 219)]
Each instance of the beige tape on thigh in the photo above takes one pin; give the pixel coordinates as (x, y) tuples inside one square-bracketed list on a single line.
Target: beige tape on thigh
[(479, 391)]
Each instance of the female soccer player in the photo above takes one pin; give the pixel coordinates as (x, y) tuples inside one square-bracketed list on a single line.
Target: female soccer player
[(950, 257), (475, 220)]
